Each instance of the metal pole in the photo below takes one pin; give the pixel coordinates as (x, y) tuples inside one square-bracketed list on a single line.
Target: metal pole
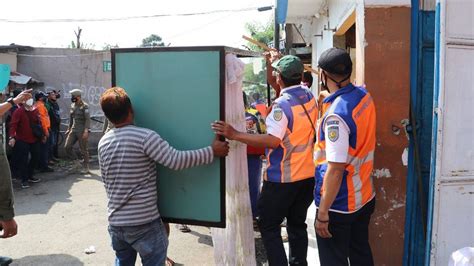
[(276, 36)]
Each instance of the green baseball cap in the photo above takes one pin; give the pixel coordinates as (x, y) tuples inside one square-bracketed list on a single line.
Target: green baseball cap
[(289, 66), (76, 92)]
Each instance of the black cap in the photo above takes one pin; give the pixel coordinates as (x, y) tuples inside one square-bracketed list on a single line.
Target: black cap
[(336, 61), (16, 92), (40, 94)]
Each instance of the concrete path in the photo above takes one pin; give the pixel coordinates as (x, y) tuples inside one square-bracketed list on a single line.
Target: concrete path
[(64, 214)]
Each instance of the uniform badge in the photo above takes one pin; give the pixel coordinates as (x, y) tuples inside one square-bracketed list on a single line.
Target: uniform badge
[(333, 133), (277, 114)]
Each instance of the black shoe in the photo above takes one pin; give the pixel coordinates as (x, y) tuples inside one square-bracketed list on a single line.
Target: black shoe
[(47, 170), (25, 185), (4, 261), (34, 180)]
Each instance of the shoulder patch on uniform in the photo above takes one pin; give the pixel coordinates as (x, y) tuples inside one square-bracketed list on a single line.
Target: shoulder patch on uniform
[(332, 122), (277, 112), (333, 133)]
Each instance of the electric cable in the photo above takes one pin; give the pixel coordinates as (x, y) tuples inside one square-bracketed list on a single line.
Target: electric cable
[(67, 20)]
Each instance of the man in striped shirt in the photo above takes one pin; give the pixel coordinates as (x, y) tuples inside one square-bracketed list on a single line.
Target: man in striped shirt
[(127, 157)]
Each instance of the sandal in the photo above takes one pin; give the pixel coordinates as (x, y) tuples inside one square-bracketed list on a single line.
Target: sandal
[(184, 228), (169, 262)]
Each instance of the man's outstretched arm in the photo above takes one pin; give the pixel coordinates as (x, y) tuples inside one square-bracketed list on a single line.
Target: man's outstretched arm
[(163, 153)]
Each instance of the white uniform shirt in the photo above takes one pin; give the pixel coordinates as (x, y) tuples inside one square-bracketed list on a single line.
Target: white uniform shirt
[(336, 134), (276, 121)]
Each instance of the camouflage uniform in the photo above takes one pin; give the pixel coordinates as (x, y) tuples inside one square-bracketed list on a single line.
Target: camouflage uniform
[(79, 121), (6, 192)]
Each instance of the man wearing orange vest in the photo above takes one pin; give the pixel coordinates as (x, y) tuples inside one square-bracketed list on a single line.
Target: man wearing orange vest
[(344, 192), (259, 104), (288, 185), (40, 98)]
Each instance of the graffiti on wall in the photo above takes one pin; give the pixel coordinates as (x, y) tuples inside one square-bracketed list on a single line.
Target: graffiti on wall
[(90, 94)]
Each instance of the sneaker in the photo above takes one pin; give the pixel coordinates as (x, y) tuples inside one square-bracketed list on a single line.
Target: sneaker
[(34, 180), (25, 185), (283, 224)]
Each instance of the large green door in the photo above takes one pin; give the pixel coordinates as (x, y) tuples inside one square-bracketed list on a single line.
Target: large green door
[(178, 92)]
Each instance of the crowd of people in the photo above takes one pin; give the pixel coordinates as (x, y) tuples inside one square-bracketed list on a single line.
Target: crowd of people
[(324, 159), (32, 133)]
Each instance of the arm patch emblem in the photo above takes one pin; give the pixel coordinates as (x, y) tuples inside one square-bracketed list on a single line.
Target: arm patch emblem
[(277, 114), (333, 133)]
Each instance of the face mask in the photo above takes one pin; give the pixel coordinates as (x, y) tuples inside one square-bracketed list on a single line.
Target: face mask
[(29, 102), (73, 99)]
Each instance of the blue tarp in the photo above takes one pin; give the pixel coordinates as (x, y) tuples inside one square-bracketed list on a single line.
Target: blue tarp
[(281, 11)]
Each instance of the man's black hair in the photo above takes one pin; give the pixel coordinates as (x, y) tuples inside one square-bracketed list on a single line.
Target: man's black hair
[(308, 78), (246, 103), (290, 82), (256, 96)]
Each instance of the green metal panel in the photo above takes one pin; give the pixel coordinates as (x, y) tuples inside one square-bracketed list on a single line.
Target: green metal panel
[(178, 93)]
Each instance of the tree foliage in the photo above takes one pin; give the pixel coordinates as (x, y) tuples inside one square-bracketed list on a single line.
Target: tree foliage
[(257, 82), (152, 41), (108, 46), (260, 32)]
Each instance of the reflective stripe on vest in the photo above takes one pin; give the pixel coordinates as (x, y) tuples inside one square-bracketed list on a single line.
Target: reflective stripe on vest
[(355, 106), (293, 160)]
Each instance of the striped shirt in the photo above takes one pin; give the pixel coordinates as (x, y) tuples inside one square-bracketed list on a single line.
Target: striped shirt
[(127, 159)]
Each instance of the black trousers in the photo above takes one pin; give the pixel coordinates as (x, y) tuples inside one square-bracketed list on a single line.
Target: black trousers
[(21, 167), (280, 200), (44, 154), (350, 239)]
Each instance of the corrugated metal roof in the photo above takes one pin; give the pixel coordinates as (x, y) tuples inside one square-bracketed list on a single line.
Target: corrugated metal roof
[(14, 48), (23, 79), (19, 78)]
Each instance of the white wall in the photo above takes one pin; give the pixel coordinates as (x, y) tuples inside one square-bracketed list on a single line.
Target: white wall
[(9, 59), (387, 2), (338, 11)]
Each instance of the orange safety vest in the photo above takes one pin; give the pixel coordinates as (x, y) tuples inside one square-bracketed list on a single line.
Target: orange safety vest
[(44, 116), (292, 160), (262, 108), (355, 106)]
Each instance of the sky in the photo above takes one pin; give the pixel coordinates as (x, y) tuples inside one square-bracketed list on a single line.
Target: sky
[(212, 29)]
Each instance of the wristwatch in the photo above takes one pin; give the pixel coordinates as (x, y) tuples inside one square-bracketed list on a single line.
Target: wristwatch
[(11, 101)]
